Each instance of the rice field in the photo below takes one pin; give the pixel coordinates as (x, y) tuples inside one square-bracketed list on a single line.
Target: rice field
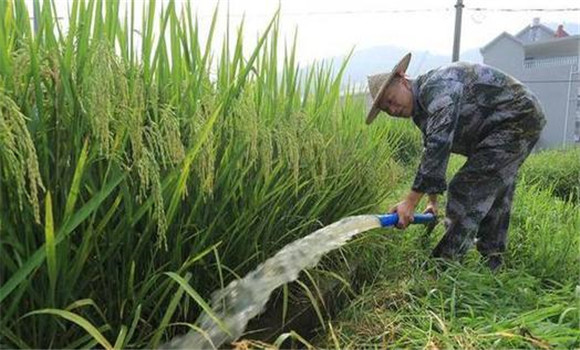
[(130, 156), (137, 157)]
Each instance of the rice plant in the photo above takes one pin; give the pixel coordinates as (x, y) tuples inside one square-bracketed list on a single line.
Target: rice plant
[(129, 151)]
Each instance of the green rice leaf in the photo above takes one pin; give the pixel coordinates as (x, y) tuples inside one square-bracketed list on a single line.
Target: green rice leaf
[(38, 257), (168, 314), (198, 299), (120, 342), (74, 189), (50, 244), (78, 320)]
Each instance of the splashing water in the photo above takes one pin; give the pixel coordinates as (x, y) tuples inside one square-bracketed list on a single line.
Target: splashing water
[(244, 299)]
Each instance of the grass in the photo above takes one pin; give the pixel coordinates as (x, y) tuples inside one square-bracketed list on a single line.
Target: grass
[(557, 169), (465, 307), (531, 303)]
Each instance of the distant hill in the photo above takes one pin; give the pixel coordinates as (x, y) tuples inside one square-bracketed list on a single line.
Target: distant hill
[(380, 59)]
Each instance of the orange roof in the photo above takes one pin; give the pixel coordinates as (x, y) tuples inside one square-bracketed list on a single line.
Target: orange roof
[(560, 32)]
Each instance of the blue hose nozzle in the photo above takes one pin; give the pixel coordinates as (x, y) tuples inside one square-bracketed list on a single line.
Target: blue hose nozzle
[(392, 219)]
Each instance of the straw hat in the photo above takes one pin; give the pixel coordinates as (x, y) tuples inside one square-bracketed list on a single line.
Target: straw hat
[(378, 84)]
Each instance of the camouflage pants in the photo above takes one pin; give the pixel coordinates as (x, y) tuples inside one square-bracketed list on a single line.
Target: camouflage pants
[(479, 197)]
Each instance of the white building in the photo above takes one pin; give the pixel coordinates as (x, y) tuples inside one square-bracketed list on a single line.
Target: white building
[(547, 61)]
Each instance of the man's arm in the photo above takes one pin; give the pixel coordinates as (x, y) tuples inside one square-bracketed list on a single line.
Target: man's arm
[(443, 101)]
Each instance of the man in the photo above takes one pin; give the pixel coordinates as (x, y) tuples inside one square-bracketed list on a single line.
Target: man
[(477, 111)]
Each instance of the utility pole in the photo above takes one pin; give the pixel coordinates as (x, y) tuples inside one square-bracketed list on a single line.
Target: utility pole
[(36, 12), (457, 37)]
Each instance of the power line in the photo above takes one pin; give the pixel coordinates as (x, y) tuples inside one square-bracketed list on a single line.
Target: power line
[(348, 12), (421, 10), (567, 9), (352, 12)]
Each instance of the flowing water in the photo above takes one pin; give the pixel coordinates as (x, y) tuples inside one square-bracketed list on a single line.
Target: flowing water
[(244, 299)]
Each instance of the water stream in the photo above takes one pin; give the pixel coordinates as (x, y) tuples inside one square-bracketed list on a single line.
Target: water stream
[(243, 299)]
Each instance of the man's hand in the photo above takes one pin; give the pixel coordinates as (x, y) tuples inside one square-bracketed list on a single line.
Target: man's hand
[(406, 209), (431, 205)]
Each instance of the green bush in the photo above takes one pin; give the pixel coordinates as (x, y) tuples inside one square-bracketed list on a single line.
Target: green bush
[(557, 169), (543, 236)]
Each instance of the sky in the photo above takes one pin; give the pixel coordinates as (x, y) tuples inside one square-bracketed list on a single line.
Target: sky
[(333, 27)]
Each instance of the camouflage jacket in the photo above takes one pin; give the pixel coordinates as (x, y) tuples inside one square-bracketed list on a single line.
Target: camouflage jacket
[(459, 105)]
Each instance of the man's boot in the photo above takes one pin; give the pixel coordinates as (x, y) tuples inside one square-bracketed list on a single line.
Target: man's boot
[(494, 262)]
